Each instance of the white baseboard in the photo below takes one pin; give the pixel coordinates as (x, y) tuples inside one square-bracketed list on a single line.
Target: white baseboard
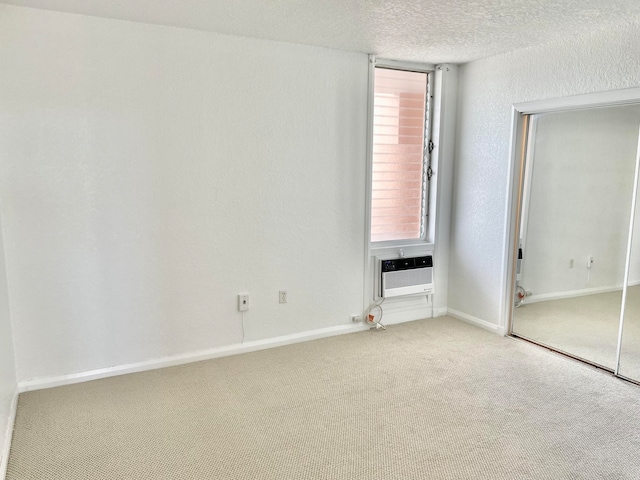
[(397, 315), (224, 351), (440, 312), (547, 297), (4, 454), (478, 322)]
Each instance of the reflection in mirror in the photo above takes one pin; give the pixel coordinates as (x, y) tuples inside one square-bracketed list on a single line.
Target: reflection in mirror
[(630, 346), (574, 227)]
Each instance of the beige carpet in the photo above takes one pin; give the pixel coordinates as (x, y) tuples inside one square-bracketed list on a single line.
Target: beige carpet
[(586, 327), (434, 399)]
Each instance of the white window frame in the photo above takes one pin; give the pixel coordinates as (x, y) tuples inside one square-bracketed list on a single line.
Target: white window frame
[(427, 211)]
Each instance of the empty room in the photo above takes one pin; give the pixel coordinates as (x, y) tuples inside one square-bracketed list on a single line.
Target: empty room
[(319, 240)]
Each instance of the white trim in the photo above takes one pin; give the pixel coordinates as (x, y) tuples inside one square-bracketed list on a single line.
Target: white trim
[(432, 95), (406, 309), (627, 266), (439, 312), (547, 297), (408, 315), (510, 219), (408, 303), (627, 96), (4, 455), (391, 247), (410, 243), (478, 322), (527, 180), (402, 65), (368, 284), (228, 350), (440, 204)]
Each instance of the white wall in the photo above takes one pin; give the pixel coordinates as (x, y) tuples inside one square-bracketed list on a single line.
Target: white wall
[(8, 384), (597, 61), (581, 189), (149, 174)]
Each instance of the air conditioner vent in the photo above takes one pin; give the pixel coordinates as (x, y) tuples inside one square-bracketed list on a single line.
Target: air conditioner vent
[(406, 276)]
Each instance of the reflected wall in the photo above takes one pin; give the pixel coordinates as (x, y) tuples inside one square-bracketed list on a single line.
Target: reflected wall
[(579, 177)]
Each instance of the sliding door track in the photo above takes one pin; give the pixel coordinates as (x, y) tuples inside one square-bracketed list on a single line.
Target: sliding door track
[(574, 357)]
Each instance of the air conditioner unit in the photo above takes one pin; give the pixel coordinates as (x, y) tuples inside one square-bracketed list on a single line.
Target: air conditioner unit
[(406, 276)]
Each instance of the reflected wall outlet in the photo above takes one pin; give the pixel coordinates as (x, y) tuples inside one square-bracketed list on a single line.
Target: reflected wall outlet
[(282, 295)]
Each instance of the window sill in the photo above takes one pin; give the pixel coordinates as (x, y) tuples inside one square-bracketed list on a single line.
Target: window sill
[(408, 247)]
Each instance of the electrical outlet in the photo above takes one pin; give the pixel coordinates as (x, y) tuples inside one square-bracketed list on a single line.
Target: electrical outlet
[(282, 295), (243, 302), (589, 261), (356, 318)]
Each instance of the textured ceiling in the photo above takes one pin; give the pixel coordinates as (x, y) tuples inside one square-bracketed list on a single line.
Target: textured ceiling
[(435, 31)]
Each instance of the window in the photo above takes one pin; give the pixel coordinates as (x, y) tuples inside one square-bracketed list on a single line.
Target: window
[(400, 155)]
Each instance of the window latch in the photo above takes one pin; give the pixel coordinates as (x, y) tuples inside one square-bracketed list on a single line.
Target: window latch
[(429, 172), (431, 146)]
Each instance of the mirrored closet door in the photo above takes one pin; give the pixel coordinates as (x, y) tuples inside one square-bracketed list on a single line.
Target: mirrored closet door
[(629, 359), (578, 191)]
